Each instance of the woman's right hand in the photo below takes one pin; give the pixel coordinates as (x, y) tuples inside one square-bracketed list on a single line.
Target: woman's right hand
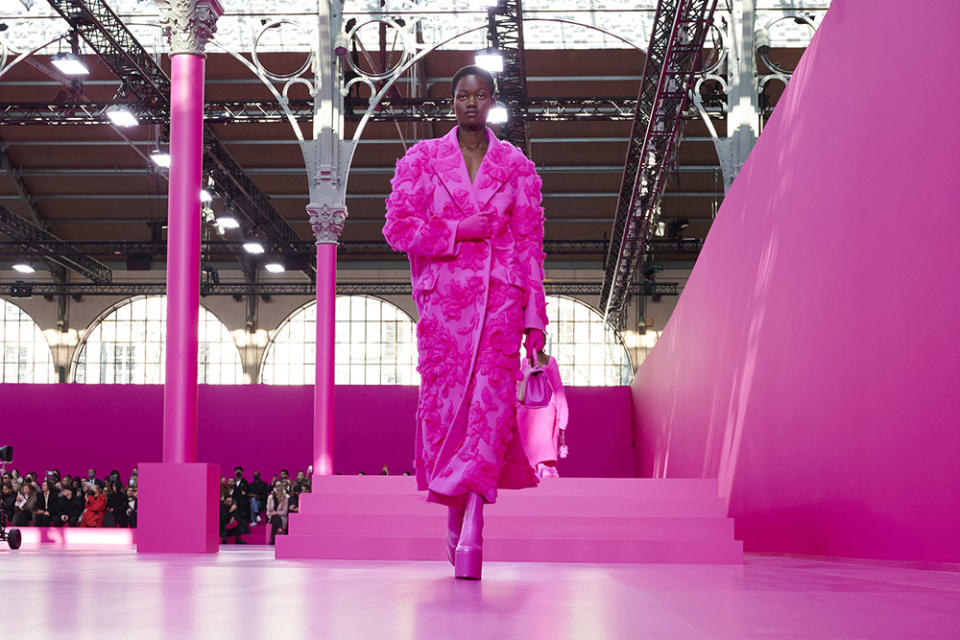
[(479, 226)]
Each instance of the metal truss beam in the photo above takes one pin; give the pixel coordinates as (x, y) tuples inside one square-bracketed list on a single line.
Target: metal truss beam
[(673, 58), (255, 111), (79, 249), (37, 241), (21, 289), (142, 76), (16, 174), (505, 33)]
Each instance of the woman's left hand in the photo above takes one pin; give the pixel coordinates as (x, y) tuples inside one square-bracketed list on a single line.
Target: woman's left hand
[(534, 342)]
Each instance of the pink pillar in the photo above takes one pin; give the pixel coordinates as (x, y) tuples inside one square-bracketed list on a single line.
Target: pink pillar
[(323, 387), (183, 259)]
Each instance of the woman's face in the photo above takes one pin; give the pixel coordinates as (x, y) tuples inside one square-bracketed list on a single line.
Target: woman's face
[(472, 101)]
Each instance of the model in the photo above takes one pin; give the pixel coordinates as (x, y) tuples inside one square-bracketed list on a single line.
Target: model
[(466, 210)]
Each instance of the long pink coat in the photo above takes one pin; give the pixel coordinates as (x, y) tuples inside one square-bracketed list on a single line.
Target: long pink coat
[(474, 299)]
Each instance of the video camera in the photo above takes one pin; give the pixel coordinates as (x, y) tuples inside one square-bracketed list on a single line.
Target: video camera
[(13, 537)]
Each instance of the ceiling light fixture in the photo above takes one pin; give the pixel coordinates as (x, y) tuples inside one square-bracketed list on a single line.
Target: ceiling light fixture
[(228, 222), (490, 59), (23, 267), (497, 114), (205, 196), (160, 158), (274, 267), (121, 116), (253, 247), (70, 64)]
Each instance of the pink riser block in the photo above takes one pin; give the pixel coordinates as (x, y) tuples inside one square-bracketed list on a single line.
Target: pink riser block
[(595, 487), (513, 549), (178, 509), (499, 526), (563, 520), (546, 506)]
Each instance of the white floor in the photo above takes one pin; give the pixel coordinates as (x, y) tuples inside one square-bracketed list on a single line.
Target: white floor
[(245, 593)]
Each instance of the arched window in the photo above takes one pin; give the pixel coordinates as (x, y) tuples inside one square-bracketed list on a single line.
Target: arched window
[(588, 352), (126, 346), (25, 351), (376, 343)]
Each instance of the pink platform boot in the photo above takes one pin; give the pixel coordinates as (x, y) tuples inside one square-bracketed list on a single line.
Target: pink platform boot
[(454, 525), (468, 561)]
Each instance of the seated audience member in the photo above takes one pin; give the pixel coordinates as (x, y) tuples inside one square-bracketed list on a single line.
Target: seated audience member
[(293, 506), (234, 491), (241, 496), (131, 507), (287, 482), (258, 497), (301, 480), (277, 509), (46, 506), (69, 508), (229, 520), (96, 506), (116, 515), (25, 504), (8, 499), (132, 482)]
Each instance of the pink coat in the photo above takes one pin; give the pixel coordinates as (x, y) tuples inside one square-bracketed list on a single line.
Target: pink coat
[(451, 281)]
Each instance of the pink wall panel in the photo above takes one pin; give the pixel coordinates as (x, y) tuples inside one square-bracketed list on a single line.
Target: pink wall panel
[(813, 360), (262, 427)]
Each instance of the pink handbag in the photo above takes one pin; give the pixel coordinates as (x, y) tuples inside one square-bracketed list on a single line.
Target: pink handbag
[(535, 390)]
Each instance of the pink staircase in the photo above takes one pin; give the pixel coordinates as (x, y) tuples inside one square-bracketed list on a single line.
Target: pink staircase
[(563, 520)]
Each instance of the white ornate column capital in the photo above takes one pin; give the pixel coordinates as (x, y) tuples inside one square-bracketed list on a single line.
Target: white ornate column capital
[(327, 220), (189, 24)]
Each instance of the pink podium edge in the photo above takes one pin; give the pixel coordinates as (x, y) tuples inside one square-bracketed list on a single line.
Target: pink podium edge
[(179, 508)]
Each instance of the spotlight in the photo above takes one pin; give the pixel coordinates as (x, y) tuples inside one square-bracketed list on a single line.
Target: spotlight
[(498, 114), (69, 64), (253, 247), (122, 116), (274, 267), (205, 196), (490, 59), (228, 222), (160, 158), (23, 267)]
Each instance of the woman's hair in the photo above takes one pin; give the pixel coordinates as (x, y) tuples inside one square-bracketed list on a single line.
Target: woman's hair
[(473, 70)]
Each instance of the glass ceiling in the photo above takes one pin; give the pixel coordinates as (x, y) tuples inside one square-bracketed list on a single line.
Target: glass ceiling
[(548, 24)]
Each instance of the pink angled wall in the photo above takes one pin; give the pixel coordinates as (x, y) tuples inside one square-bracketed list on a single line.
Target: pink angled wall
[(813, 360)]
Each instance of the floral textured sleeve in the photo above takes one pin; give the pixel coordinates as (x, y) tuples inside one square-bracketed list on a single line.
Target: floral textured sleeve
[(528, 226), (412, 226)]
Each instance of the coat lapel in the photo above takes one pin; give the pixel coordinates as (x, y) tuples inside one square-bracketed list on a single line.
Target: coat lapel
[(451, 171), (492, 174)]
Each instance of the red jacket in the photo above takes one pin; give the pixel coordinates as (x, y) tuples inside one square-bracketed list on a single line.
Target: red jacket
[(93, 515)]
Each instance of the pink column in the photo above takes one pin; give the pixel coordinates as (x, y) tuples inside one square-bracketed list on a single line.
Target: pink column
[(183, 259), (323, 388), (326, 220)]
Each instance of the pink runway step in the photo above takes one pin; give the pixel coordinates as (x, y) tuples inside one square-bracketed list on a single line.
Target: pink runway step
[(563, 520)]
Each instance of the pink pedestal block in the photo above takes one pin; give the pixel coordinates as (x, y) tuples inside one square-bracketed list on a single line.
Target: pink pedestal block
[(563, 520), (179, 508)]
